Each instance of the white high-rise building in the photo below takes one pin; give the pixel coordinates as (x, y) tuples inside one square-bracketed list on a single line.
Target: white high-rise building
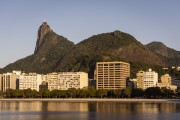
[(147, 79), (31, 80)]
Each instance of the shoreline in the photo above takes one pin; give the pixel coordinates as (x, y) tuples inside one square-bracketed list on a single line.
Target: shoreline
[(90, 99)]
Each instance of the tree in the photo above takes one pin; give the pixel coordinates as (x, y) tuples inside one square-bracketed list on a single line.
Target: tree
[(153, 92), (63, 93), (91, 91), (84, 92), (46, 93), (178, 92), (72, 92), (15, 93), (137, 92), (117, 93), (55, 93), (168, 93), (34, 93), (8, 93), (127, 92), (28, 92), (1, 94), (101, 92)]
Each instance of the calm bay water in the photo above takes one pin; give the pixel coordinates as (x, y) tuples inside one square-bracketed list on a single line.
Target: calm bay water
[(38, 110)]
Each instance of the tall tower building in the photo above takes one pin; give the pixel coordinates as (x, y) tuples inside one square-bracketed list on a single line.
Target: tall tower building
[(111, 75)]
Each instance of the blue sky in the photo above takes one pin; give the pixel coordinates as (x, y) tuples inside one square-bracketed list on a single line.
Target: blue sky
[(146, 20)]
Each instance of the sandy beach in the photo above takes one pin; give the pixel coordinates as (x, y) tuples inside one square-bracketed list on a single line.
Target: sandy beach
[(90, 100)]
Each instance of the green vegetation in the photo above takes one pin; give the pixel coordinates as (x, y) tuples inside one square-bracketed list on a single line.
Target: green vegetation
[(91, 92)]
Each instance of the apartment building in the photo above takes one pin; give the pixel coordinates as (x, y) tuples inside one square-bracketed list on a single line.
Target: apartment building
[(111, 75), (52, 80), (9, 81), (147, 79), (68, 80), (140, 79), (166, 79), (31, 80), (166, 82)]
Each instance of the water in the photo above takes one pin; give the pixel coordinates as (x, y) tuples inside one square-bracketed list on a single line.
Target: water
[(38, 110)]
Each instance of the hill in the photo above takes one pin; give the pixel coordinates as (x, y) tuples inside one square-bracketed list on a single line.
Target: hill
[(114, 46), (50, 49), (168, 55)]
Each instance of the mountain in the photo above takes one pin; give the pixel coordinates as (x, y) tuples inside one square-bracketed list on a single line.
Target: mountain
[(114, 46), (50, 49), (168, 55), (56, 53)]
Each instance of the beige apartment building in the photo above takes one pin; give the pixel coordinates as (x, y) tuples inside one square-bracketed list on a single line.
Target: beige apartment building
[(9, 81), (140, 79), (166, 79), (166, 82), (31, 80), (68, 80), (52, 80), (111, 75)]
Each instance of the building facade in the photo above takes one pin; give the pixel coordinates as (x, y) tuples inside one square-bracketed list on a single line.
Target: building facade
[(140, 79), (147, 79), (166, 79), (9, 81), (111, 75), (166, 82), (68, 80), (31, 80), (52, 80)]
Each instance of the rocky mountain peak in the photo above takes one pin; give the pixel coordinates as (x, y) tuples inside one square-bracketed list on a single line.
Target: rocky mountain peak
[(42, 31)]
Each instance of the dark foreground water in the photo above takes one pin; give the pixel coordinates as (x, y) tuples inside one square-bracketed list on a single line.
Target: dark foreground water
[(37, 110)]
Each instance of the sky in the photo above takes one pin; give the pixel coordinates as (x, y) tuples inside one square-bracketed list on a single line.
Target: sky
[(146, 20)]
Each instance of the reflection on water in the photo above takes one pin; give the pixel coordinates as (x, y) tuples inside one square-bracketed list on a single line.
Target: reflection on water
[(38, 110)]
